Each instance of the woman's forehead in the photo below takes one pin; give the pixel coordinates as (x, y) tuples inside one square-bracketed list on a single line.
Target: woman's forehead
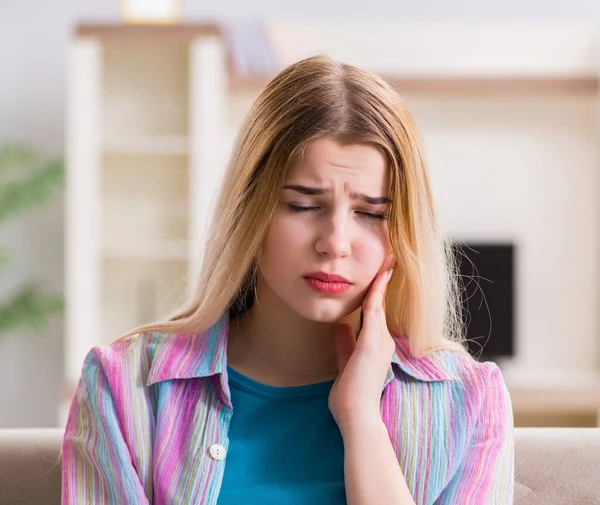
[(326, 161)]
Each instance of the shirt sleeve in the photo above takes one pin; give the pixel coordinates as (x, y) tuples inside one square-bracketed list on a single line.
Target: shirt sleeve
[(485, 476), (97, 466)]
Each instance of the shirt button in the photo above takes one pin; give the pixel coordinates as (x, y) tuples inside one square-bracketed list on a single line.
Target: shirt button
[(217, 451)]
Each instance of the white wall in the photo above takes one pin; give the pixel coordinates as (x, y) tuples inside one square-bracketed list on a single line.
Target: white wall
[(33, 38)]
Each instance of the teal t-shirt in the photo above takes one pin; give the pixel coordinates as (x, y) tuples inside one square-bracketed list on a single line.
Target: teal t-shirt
[(284, 446)]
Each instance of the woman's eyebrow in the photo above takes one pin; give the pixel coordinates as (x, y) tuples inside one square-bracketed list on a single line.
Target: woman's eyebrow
[(371, 200)]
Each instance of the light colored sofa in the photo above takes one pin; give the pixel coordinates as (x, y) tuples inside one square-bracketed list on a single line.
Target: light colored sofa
[(554, 466)]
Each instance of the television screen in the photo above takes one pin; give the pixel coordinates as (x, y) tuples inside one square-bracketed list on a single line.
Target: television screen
[(488, 294)]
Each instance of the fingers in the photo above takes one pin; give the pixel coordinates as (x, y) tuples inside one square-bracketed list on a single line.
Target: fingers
[(389, 263)]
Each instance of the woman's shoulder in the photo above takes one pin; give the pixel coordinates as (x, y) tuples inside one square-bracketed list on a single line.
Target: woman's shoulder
[(128, 346), (152, 357), (466, 391), (480, 383), (450, 364), (128, 354)]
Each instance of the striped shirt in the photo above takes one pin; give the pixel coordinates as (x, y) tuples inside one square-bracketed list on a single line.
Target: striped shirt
[(149, 424)]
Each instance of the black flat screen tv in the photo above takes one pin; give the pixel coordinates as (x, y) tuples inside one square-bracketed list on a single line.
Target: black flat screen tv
[(487, 280)]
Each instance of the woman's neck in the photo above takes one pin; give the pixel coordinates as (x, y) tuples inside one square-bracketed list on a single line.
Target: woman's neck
[(274, 345)]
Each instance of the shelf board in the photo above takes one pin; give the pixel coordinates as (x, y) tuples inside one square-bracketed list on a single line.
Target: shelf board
[(149, 251), (538, 400), (447, 85), (174, 145), (180, 32)]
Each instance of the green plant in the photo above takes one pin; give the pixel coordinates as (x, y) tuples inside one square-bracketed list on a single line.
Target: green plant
[(27, 180)]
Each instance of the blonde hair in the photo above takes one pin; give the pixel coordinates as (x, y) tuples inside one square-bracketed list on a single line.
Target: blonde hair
[(314, 98)]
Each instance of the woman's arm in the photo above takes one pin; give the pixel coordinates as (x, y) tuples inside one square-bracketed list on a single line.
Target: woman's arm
[(97, 466), (371, 468)]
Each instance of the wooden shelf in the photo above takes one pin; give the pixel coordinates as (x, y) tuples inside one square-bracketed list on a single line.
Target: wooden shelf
[(556, 400), (505, 85), (111, 32), (560, 399)]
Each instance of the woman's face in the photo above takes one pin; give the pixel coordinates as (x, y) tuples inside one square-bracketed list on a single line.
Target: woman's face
[(331, 219)]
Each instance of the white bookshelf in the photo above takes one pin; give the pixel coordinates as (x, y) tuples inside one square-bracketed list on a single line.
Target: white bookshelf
[(146, 150)]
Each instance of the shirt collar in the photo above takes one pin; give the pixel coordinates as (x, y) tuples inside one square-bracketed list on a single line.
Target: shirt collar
[(204, 355), (434, 367)]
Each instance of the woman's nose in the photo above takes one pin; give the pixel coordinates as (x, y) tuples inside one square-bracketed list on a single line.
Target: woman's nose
[(333, 238)]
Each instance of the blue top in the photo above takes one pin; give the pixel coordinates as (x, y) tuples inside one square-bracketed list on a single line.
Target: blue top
[(284, 446)]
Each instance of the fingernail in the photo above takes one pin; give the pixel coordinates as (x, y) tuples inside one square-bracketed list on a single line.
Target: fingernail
[(388, 275)]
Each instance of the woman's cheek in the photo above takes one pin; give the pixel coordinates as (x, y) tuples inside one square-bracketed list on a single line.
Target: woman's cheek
[(371, 252), (286, 235), (295, 230)]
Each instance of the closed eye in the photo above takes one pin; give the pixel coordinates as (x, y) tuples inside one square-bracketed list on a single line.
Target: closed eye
[(301, 208), (368, 215), (373, 215)]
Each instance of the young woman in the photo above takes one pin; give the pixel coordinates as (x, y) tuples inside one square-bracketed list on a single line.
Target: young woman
[(321, 360)]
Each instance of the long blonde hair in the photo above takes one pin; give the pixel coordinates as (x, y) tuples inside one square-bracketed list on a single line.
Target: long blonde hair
[(314, 98)]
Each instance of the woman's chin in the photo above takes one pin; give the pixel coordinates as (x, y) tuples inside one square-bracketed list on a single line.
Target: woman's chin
[(327, 311)]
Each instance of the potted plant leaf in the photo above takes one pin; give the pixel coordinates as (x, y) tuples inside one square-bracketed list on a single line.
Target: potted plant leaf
[(27, 181)]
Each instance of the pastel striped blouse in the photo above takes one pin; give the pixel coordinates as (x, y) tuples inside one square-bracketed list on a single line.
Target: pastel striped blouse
[(149, 424)]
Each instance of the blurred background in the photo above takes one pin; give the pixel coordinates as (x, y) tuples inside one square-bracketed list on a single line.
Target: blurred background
[(116, 120)]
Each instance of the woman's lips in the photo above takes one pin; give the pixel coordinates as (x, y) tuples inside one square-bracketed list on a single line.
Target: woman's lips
[(327, 283), (327, 277)]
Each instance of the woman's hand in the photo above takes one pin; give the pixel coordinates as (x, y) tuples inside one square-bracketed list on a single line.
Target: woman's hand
[(363, 363)]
